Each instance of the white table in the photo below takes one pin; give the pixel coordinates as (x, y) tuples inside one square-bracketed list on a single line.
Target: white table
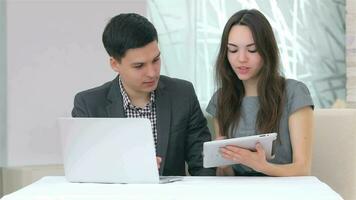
[(218, 188)]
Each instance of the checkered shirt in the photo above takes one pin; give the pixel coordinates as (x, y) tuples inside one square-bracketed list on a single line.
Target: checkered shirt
[(149, 111)]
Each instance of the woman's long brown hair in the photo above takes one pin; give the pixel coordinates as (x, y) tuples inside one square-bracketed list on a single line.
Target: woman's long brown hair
[(271, 85)]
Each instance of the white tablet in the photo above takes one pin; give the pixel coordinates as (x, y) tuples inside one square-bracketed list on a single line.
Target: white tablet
[(213, 158)]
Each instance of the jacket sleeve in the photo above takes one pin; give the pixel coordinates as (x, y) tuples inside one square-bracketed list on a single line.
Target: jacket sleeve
[(79, 109), (197, 134)]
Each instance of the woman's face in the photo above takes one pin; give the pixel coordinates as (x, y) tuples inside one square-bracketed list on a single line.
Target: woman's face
[(242, 53)]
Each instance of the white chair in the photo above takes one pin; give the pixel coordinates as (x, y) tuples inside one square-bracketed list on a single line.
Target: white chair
[(334, 150), (1, 185)]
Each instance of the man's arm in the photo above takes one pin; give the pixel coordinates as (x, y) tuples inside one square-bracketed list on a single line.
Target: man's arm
[(79, 109), (197, 134)]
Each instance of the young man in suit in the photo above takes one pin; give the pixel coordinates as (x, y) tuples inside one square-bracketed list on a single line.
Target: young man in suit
[(178, 124)]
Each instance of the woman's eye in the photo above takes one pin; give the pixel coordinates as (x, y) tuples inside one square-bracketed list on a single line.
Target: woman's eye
[(232, 50), (252, 50)]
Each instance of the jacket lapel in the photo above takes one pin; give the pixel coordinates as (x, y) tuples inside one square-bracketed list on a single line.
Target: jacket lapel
[(115, 106), (163, 107)]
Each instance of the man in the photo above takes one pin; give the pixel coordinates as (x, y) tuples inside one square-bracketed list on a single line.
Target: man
[(178, 125)]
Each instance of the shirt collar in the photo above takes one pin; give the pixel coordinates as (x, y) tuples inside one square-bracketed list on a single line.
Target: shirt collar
[(126, 99)]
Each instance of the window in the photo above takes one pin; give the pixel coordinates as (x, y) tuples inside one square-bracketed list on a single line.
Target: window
[(310, 35)]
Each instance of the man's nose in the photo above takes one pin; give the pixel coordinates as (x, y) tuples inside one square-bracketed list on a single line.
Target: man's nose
[(151, 70)]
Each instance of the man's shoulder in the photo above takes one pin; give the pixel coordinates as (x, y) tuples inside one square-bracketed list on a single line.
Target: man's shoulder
[(175, 83), (98, 91), (181, 91)]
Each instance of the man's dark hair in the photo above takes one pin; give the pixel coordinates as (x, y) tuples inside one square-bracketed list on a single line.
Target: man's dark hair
[(127, 31)]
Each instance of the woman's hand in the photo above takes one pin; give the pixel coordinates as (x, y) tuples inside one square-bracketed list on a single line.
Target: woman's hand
[(225, 170), (253, 159)]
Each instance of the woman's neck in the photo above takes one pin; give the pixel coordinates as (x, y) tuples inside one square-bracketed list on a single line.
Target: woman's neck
[(250, 87)]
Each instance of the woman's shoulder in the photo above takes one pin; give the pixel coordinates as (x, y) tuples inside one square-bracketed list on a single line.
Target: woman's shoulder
[(213, 103), (292, 83), (215, 95), (298, 95), (294, 87)]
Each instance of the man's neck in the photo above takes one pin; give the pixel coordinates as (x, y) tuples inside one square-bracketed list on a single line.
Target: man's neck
[(138, 99)]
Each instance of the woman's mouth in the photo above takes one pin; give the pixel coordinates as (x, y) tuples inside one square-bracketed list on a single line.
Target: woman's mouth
[(243, 70)]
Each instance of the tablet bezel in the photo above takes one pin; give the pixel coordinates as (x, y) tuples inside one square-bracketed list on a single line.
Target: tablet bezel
[(213, 158)]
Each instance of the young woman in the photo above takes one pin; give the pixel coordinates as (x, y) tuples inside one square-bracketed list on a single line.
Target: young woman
[(254, 98)]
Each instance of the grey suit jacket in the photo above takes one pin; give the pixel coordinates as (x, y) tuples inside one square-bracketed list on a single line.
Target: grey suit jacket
[(181, 126)]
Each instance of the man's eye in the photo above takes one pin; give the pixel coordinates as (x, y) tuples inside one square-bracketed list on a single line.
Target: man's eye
[(157, 59), (138, 66)]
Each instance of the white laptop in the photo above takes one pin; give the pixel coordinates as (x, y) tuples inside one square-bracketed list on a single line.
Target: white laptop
[(109, 150)]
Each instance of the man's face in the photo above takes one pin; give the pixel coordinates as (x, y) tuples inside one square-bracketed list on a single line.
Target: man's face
[(139, 69)]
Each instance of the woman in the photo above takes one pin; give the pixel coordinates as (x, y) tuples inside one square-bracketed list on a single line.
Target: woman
[(254, 98)]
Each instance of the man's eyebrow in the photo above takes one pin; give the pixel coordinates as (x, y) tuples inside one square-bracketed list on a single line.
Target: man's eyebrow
[(140, 63)]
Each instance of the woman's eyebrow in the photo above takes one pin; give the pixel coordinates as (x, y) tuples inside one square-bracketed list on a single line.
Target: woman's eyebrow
[(232, 44)]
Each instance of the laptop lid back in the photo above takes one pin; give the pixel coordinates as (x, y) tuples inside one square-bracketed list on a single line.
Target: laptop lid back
[(108, 150)]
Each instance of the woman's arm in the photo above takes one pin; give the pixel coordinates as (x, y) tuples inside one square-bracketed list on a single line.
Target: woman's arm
[(301, 129)]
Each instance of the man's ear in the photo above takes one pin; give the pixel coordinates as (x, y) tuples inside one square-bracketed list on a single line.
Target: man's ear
[(115, 65)]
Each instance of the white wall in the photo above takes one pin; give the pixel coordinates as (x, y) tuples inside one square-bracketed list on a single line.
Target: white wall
[(54, 50), (2, 91), (2, 83)]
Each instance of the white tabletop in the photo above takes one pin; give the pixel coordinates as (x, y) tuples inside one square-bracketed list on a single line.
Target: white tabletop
[(217, 188)]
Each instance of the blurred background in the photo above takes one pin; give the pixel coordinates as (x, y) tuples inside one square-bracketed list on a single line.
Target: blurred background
[(50, 50)]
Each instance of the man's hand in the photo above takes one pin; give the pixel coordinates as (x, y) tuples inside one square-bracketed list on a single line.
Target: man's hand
[(159, 160)]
